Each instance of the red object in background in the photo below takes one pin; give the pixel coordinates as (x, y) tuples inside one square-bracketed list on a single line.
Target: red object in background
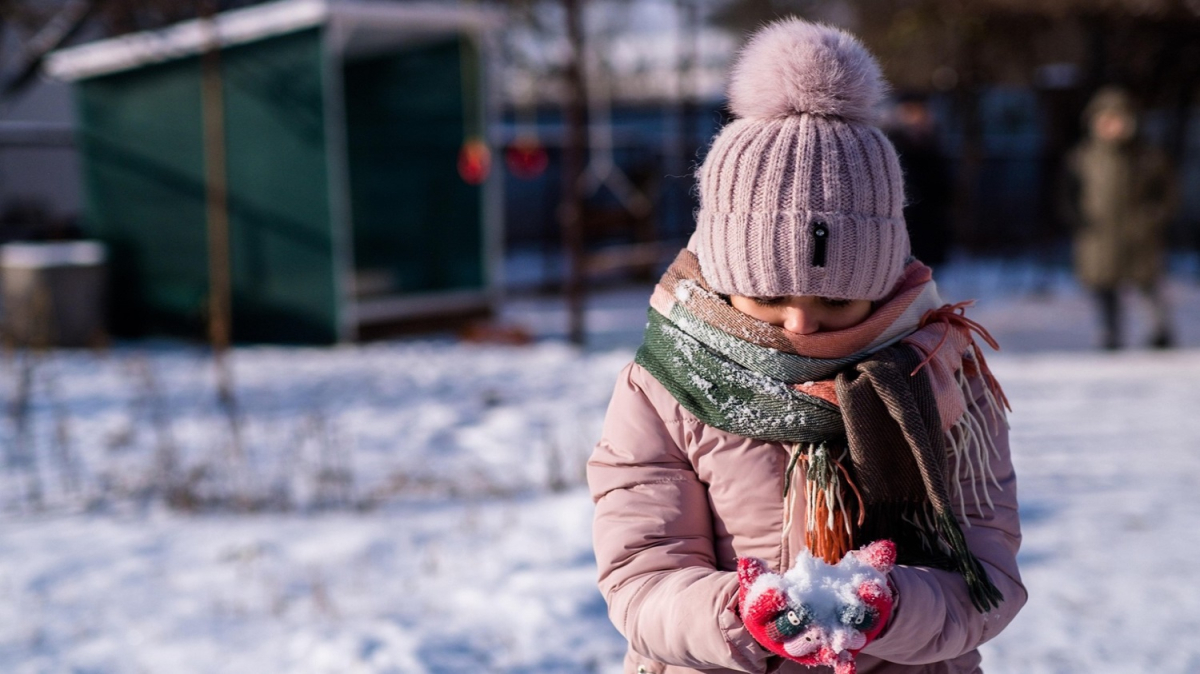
[(526, 158), (486, 332), (474, 161)]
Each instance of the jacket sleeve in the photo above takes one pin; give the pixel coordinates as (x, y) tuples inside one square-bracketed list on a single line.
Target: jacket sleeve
[(653, 539), (934, 619)]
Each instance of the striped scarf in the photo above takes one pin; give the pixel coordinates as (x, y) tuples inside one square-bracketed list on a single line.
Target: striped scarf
[(878, 414)]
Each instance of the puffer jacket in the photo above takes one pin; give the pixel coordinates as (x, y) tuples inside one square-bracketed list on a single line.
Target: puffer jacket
[(678, 501)]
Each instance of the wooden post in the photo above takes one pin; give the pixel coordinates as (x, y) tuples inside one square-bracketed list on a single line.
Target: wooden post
[(574, 151), (216, 195)]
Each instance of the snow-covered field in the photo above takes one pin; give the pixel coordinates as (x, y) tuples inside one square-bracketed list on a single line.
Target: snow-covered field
[(425, 509)]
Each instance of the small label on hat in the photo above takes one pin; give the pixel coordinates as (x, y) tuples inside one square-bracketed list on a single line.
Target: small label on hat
[(820, 234)]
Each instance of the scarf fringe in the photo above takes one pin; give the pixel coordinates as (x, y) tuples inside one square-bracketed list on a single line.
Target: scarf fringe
[(970, 446), (924, 522), (953, 316), (830, 524), (829, 534), (984, 594)]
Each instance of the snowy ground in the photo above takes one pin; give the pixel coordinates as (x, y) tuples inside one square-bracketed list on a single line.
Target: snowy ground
[(438, 522)]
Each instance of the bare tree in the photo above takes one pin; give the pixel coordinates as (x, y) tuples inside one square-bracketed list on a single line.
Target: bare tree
[(39, 30)]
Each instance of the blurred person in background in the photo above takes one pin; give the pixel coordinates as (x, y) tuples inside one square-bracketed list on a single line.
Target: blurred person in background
[(927, 181), (1119, 195)]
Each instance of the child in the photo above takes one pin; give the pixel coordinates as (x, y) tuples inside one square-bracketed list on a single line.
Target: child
[(803, 392)]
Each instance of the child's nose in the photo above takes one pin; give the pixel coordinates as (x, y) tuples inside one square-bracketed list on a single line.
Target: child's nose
[(800, 321)]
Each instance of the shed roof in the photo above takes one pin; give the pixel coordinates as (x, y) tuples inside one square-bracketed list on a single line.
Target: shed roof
[(255, 23)]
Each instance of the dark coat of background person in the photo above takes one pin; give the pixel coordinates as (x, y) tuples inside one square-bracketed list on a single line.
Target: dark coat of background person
[(927, 180), (1119, 198)]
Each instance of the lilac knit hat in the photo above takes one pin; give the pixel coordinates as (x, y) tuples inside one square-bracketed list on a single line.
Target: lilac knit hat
[(802, 194)]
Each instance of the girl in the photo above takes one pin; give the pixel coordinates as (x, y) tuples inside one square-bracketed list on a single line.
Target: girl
[(803, 392)]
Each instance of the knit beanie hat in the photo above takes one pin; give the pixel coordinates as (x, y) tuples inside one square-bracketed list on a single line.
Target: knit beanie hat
[(802, 194)]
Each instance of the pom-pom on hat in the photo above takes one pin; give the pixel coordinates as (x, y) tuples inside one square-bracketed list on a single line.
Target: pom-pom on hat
[(802, 194)]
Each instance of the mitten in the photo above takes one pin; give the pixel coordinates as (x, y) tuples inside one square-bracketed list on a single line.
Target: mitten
[(815, 613)]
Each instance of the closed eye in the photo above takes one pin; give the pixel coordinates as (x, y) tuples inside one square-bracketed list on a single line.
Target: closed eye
[(835, 303), (767, 301)]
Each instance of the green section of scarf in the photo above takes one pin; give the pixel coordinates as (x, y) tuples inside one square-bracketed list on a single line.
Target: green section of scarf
[(883, 439), (723, 392)]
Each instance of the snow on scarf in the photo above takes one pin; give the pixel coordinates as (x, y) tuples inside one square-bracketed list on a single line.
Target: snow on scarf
[(878, 412)]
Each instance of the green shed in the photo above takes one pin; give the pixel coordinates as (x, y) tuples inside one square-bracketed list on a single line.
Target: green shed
[(348, 206)]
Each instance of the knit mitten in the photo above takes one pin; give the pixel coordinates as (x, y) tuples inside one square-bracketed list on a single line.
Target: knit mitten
[(815, 613)]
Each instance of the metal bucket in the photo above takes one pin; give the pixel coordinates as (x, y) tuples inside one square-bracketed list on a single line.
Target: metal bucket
[(53, 293)]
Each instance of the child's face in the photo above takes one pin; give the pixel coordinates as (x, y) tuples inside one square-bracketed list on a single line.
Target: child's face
[(804, 314)]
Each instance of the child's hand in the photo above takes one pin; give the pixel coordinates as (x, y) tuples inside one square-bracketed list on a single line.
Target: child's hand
[(817, 614)]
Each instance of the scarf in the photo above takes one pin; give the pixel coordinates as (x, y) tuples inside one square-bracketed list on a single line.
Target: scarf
[(879, 413)]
